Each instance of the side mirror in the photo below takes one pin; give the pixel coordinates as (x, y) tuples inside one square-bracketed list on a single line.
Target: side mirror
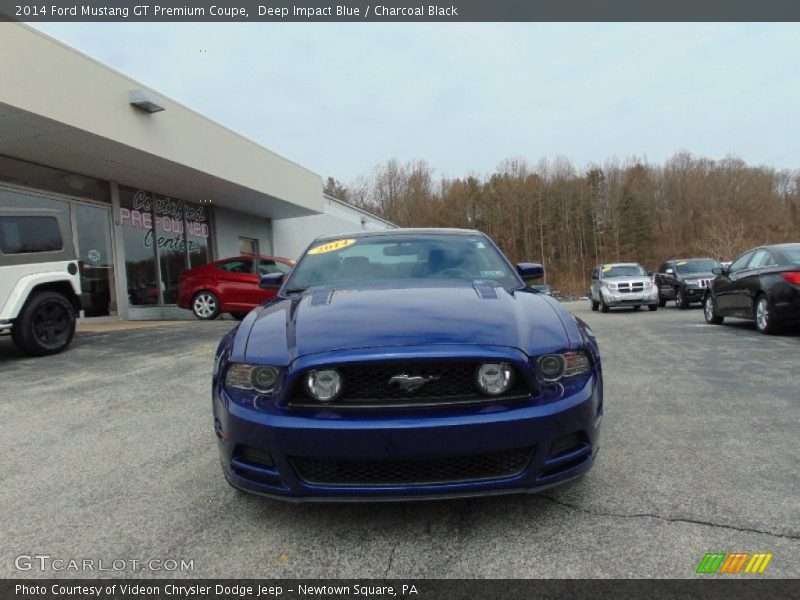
[(719, 271), (530, 270), (271, 281), (670, 271)]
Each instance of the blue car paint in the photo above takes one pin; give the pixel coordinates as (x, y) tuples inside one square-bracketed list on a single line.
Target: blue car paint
[(431, 320)]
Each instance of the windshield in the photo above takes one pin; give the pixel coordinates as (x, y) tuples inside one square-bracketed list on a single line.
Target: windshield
[(390, 258), (624, 271), (701, 265)]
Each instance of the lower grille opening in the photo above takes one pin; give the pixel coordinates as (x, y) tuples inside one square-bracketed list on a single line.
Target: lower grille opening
[(255, 456), (566, 444), (567, 452), (424, 471)]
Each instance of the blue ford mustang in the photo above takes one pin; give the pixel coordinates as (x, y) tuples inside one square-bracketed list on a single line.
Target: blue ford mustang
[(406, 364)]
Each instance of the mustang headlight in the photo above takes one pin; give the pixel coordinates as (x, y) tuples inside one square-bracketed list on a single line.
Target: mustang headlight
[(553, 367), (494, 378), (323, 385), (262, 379)]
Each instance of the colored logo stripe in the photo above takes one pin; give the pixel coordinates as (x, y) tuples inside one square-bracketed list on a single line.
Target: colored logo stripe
[(711, 562), (734, 562), (758, 563)]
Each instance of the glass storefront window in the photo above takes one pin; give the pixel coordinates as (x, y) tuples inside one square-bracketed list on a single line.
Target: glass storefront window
[(140, 260), (171, 244), (197, 235), (177, 231)]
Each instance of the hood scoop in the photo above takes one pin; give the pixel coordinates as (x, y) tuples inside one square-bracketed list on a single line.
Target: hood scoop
[(485, 290)]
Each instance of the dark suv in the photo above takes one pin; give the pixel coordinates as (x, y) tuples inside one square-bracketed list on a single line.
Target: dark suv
[(684, 280)]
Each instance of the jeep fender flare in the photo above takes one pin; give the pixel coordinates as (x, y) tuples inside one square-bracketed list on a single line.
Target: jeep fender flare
[(27, 283)]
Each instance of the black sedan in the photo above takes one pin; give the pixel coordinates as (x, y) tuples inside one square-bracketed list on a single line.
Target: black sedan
[(763, 285)]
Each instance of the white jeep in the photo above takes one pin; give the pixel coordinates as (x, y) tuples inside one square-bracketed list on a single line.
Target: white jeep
[(40, 287)]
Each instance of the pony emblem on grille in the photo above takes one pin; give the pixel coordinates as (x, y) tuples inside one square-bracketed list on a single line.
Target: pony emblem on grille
[(409, 383)]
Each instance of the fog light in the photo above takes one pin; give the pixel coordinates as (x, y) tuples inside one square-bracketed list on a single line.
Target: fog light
[(323, 385), (494, 378)]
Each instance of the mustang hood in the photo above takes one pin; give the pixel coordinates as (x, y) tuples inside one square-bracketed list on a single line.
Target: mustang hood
[(323, 320)]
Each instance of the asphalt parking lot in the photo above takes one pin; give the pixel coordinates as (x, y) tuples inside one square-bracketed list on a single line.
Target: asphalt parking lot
[(108, 453)]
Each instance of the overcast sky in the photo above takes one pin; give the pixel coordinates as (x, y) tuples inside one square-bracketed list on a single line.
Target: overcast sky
[(341, 98)]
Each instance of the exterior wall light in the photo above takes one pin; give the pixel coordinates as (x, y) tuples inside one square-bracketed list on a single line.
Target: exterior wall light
[(146, 101)]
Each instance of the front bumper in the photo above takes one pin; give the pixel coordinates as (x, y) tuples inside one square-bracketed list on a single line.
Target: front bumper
[(560, 429), (630, 299), (694, 294)]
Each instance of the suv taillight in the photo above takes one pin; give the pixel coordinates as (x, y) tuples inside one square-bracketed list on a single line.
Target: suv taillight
[(792, 277)]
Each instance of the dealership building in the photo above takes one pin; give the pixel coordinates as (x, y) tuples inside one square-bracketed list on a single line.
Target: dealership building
[(149, 187)]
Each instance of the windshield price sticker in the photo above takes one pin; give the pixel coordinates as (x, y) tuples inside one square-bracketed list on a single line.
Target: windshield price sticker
[(680, 264), (606, 269), (332, 246)]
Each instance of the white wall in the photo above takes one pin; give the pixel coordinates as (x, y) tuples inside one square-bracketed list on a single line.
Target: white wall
[(292, 236), (229, 225)]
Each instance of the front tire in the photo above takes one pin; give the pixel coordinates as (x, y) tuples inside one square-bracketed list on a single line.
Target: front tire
[(662, 302), (46, 325), (680, 300), (637, 307), (603, 306), (710, 311), (595, 305), (765, 322), (653, 307), (205, 305)]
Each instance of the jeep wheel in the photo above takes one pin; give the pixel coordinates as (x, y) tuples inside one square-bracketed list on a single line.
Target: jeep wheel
[(680, 300), (603, 305), (595, 305), (46, 324), (205, 306), (710, 311), (653, 307), (662, 302), (765, 323)]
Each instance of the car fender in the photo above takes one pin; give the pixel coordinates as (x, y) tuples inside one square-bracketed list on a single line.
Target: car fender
[(26, 283)]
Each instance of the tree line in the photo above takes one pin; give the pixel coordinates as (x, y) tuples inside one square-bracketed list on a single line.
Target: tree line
[(572, 219)]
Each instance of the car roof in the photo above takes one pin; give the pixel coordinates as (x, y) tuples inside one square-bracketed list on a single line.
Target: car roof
[(411, 231), (785, 246), (251, 256), (626, 264), (688, 259)]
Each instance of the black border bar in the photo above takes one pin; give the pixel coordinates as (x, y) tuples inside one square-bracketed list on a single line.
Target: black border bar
[(199, 11), (708, 588)]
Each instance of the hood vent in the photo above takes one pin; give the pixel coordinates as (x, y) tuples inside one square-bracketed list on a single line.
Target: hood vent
[(485, 290), (321, 297)]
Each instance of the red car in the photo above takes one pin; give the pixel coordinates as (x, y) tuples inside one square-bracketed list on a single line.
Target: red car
[(229, 285)]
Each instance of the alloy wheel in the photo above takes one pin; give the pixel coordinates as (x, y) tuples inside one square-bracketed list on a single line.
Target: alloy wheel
[(762, 314), (205, 305), (709, 308)]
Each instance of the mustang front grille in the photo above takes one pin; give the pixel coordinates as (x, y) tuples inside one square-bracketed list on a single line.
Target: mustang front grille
[(427, 471), (371, 385)]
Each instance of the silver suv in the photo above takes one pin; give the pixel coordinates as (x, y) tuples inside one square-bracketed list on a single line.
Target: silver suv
[(40, 288), (622, 284)]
